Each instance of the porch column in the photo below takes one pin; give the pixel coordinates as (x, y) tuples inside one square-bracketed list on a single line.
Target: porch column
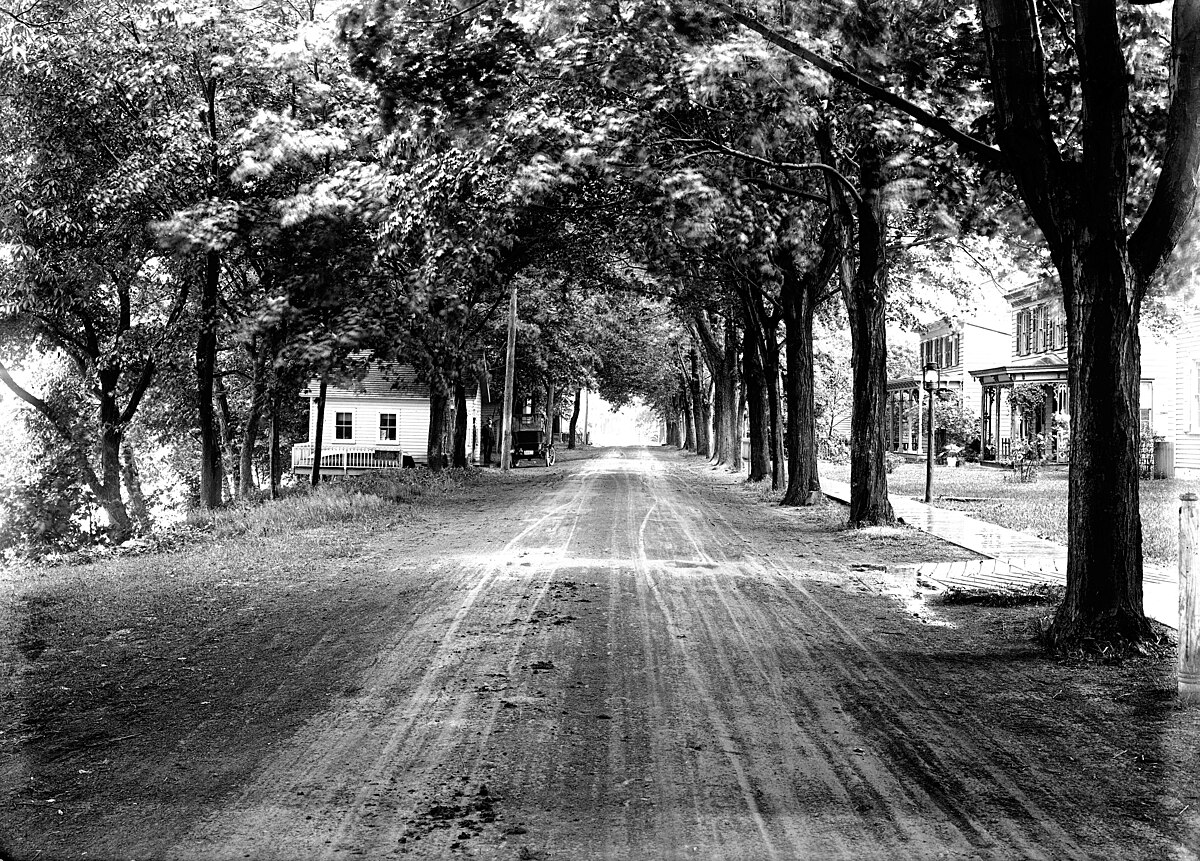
[(1048, 423), (997, 391), (921, 422), (1012, 423), (983, 422), (888, 405)]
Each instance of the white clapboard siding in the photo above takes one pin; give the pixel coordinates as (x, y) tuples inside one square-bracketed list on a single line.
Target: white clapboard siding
[(1187, 399)]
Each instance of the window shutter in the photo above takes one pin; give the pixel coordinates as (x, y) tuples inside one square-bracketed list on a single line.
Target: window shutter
[(1017, 318)]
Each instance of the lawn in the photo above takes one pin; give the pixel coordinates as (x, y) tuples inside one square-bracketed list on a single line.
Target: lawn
[(1039, 507)]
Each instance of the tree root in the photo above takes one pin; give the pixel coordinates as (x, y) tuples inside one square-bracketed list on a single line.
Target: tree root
[(1112, 637)]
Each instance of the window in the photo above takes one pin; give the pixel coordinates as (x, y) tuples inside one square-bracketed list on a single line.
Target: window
[(1146, 408), (1019, 335), (938, 357), (343, 426), (387, 427)]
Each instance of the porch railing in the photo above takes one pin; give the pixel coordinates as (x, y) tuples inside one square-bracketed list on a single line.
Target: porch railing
[(346, 458)]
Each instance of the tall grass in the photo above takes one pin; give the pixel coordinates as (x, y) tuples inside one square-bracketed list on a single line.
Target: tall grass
[(353, 500)]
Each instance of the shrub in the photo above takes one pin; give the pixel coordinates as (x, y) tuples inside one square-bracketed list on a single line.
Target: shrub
[(834, 449), (44, 516), (1027, 458)]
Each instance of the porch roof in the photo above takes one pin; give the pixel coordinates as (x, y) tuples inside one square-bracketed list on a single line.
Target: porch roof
[(1046, 368), (903, 384)]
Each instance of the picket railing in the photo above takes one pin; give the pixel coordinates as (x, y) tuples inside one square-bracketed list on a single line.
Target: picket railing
[(345, 458)]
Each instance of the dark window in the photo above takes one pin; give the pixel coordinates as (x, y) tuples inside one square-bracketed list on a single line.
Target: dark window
[(343, 426)]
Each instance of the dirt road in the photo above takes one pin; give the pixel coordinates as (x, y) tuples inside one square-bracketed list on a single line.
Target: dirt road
[(628, 661)]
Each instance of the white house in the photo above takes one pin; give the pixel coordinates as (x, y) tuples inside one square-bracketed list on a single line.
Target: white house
[(1187, 396), (377, 422), (1038, 359), (953, 344)]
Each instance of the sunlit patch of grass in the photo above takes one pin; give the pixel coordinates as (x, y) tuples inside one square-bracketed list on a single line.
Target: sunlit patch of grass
[(319, 508), (1039, 508)]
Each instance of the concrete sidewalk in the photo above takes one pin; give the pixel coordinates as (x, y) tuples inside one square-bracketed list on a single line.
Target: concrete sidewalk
[(1014, 559)]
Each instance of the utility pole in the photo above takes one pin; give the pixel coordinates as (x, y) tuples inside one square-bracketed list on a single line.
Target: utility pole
[(510, 362)]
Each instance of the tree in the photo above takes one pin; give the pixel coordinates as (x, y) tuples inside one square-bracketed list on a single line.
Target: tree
[(1071, 160), (81, 164)]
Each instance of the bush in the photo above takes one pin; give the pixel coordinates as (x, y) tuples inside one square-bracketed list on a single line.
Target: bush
[(834, 449), (1027, 458), (44, 516)]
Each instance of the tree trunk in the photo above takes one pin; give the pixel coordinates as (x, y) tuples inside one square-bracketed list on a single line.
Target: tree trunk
[(226, 434), (575, 417), (865, 294), (258, 397), (206, 362), (1103, 602), (319, 431), (759, 409), (274, 404), (734, 399), (274, 464), (804, 485), (689, 415), (109, 490), (439, 401), (775, 415), (701, 406), (133, 488), (460, 425), (714, 356), (551, 408)]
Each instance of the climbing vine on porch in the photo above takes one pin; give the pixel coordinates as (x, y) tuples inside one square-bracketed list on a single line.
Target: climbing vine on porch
[(1027, 398)]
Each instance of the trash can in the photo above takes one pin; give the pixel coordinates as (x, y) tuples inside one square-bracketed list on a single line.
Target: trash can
[(1164, 459)]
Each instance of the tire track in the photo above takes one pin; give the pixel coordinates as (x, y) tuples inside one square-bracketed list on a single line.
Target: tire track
[(335, 767), (913, 757)]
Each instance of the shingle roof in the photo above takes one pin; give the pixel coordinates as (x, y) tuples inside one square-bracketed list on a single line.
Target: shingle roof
[(382, 380)]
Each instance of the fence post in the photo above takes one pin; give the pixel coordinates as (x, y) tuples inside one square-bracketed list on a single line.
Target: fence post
[(1189, 602)]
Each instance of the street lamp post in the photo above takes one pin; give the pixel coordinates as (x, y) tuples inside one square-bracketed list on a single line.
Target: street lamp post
[(932, 375)]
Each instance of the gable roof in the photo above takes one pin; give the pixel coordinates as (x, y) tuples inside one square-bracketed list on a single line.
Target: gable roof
[(386, 380)]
